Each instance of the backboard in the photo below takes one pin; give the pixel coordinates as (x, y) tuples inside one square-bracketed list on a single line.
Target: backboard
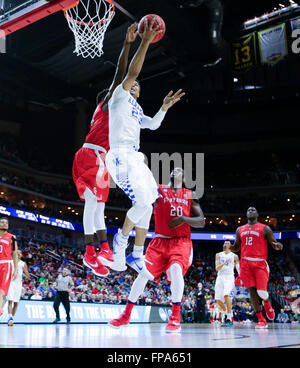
[(18, 14)]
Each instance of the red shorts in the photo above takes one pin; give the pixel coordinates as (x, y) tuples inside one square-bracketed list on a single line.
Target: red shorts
[(89, 171), (254, 274), (5, 276), (162, 253)]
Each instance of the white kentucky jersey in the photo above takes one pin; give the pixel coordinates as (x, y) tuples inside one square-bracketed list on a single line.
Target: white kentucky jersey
[(20, 272), (125, 118), (228, 269)]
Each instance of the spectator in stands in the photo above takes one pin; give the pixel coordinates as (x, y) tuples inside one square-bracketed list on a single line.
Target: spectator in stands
[(282, 317), (187, 311), (50, 292)]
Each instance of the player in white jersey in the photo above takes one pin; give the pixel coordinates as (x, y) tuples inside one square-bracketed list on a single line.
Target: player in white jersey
[(225, 262), (126, 165), (15, 289)]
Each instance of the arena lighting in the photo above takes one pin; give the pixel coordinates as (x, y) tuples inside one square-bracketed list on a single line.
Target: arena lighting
[(274, 14)]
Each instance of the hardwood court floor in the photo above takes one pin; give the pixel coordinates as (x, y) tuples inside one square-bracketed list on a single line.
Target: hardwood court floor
[(147, 336)]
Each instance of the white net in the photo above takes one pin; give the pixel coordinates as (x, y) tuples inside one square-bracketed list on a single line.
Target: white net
[(89, 21)]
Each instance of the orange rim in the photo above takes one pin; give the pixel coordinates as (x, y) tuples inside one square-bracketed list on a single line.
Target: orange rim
[(91, 23)]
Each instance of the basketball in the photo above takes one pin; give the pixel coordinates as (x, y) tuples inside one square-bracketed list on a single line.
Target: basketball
[(158, 20)]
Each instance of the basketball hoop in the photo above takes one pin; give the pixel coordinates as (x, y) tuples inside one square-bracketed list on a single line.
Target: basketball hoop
[(88, 20)]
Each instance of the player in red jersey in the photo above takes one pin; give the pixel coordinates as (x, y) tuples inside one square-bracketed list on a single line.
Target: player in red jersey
[(175, 211), (252, 240), (8, 264), (90, 174)]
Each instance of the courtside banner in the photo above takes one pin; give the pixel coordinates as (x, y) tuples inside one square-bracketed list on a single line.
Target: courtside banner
[(38, 311), (160, 314), (243, 53), (273, 44)]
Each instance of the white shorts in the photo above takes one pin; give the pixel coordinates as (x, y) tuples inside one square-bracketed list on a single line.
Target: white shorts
[(132, 175), (14, 292), (224, 286)]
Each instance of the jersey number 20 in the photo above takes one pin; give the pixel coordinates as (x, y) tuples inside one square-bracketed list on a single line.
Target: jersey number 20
[(176, 211)]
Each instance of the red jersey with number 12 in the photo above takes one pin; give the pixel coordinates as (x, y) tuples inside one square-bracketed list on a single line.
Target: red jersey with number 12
[(253, 243), (98, 133), (169, 205), (6, 247)]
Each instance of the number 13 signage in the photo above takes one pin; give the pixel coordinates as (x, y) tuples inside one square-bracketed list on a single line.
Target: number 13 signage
[(243, 53)]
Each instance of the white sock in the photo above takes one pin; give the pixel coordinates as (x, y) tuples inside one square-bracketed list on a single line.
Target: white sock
[(177, 283), (137, 288), (122, 239), (138, 251)]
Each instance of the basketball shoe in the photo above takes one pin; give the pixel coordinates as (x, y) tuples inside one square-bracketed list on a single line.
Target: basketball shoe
[(262, 323), (173, 325), (269, 310), (90, 261), (123, 320), (10, 321), (119, 252), (105, 256), (138, 264)]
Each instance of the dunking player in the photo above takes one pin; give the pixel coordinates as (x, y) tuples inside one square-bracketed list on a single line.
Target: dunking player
[(125, 164), (252, 239), (15, 289), (176, 210), (8, 264), (89, 171), (225, 262)]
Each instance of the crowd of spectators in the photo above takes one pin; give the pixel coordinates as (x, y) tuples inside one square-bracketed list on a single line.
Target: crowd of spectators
[(46, 261)]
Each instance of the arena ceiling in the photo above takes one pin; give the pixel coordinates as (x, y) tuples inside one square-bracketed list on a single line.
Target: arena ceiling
[(40, 65)]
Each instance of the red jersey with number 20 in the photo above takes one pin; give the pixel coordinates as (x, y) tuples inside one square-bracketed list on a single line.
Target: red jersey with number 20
[(6, 247), (98, 133), (169, 205), (253, 243)]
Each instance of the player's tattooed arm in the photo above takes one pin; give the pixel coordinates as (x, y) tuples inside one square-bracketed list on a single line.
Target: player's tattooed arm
[(268, 234), (237, 243)]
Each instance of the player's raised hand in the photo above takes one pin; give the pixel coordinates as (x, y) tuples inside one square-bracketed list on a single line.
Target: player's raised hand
[(171, 99), (132, 32), (150, 30)]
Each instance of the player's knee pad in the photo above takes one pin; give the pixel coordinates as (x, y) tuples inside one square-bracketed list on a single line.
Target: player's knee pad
[(99, 216), (175, 276), (263, 294), (145, 220), (137, 212)]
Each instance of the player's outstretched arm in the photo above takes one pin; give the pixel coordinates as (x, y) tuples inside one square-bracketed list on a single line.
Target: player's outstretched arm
[(237, 243), (122, 62), (268, 234), (171, 99), (155, 122), (135, 67)]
